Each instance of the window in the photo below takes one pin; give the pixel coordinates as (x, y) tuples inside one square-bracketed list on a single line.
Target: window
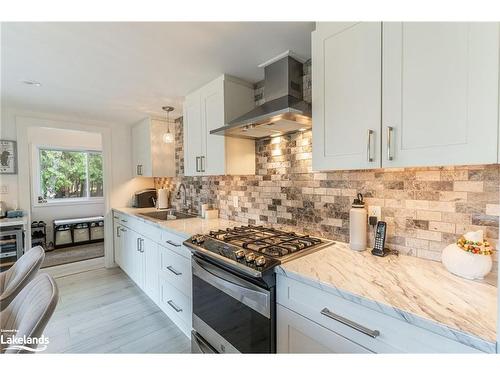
[(68, 174)]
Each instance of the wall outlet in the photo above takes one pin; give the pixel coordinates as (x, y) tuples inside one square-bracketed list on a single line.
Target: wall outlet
[(375, 211), (235, 201)]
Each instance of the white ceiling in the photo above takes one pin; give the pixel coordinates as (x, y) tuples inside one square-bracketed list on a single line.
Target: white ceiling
[(122, 72)]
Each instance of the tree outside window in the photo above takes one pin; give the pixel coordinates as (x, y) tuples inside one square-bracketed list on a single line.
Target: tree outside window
[(70, 174)]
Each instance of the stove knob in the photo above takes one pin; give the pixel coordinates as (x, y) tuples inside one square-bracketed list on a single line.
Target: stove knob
[(260, 261), (198, 239), (239, 254), (250, 257)]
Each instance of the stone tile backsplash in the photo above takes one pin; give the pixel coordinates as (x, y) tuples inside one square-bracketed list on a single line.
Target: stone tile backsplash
[(425, 208)]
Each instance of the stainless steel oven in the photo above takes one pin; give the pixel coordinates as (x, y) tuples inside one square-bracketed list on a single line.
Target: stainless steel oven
[(232, 313)]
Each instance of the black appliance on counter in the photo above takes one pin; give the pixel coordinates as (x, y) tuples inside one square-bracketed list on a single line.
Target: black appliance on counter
[(144, 198), (234, 286)]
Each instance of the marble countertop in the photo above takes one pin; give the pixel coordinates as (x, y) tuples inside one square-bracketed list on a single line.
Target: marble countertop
[(183, 227), (415, 290), (7, 222)]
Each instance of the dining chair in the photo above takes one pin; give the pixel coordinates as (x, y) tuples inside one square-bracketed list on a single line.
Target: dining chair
[(20, 274), (27, 316)]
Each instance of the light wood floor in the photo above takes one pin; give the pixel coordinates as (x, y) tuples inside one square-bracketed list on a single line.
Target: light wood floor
[(102, 311)]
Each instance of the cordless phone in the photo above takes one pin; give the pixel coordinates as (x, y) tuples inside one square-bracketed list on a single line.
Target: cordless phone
[(379, 248)]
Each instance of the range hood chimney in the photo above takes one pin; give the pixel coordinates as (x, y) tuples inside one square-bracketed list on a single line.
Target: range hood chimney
[(284, 110)]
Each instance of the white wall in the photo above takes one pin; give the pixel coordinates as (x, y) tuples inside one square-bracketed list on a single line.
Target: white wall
[(120, 181), (63, 138)]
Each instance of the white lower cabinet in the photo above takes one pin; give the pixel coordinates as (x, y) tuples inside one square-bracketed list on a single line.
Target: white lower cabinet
[(158, 263), (326, 322), (297, 334)]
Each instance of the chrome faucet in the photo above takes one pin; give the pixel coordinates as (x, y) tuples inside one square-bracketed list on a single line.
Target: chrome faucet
[(184, 200)]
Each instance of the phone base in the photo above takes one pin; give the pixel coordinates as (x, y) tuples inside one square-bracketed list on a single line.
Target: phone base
[(383, 253)]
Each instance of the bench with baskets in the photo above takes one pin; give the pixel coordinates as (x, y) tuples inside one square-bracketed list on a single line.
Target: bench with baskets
[(79, 231)]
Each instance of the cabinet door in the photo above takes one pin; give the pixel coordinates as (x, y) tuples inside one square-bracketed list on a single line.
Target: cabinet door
[(193, 135), (296, 334), (440, 93), (346, 69), (126, 250), (212, 114), (151, 268), (141, 149)]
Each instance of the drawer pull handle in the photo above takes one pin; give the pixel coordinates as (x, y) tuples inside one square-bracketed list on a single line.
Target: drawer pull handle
[(173, 243), (172, 305), (123, 229), (350, 323), (115, 217), (172, 269), (123, 220)]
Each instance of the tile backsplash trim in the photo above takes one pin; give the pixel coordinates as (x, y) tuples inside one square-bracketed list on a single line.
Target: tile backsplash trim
[(425, 208)]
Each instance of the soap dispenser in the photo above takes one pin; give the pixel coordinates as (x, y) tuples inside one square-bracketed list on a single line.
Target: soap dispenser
[(358, 217)]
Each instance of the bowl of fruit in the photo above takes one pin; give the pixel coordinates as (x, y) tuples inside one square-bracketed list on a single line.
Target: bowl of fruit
[(469, 257)]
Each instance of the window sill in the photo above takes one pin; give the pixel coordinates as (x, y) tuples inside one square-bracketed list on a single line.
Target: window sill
[(69, 202)]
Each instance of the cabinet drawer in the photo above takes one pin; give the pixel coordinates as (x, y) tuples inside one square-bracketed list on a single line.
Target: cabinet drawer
[(357, 323), (174, 243), (176, 305), (176, 270), (297, 334)]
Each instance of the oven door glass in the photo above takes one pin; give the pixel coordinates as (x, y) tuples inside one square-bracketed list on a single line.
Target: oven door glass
[(234, 308)]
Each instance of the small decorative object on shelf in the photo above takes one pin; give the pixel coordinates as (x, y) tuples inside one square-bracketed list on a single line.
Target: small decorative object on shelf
[(470, 257)]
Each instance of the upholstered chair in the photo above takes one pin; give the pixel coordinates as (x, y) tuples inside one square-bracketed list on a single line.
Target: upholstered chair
[(19, 275), (27, 316)]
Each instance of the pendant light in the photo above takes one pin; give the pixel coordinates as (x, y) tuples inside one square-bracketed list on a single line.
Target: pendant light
[(168, 137)]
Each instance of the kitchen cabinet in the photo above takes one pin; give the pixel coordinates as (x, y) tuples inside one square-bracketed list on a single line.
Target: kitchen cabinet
[(159, 264), (151, 156), (209, 108), (326, 322), (300, 335), (440, 93), (346, 101), (404, 94)]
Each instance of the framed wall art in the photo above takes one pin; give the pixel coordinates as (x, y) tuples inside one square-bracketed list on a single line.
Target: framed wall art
[(8, 157)]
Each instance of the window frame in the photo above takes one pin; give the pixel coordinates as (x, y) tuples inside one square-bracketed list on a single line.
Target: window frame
[(37, 180)]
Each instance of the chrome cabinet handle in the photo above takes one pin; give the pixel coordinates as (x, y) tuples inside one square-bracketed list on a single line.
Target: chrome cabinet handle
[(350, 323), (390, 130), (115, 217), (197, 166), (123, 220), (369, 145), (139, 169), (172, 269), (142, 245), (174, 306), (138, 245), (173, 243), (123, 229), (117, 231), (202, 167)]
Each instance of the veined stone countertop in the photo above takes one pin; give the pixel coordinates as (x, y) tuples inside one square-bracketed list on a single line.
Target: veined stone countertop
[(182, 227), (411, 289)]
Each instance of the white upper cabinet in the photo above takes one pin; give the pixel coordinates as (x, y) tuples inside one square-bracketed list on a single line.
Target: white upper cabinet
[(440, 93), (209, 108), (404, 94), (346, 66), (151, 156)]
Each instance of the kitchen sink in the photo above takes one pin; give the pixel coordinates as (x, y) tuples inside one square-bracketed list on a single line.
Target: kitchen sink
[(168, 215)]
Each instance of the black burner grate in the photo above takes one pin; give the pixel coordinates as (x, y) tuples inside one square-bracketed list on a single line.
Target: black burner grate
[(269, 241)]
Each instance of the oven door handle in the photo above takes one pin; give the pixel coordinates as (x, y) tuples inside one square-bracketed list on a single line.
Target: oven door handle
[(256, 298)]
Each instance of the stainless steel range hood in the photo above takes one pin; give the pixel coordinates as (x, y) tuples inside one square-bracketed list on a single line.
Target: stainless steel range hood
[(284, 110)]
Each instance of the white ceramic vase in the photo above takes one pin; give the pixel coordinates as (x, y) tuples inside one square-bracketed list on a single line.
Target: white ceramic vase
[(464, 264)]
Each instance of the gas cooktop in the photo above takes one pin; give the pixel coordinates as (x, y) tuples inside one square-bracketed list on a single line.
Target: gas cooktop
[(254, 249)]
